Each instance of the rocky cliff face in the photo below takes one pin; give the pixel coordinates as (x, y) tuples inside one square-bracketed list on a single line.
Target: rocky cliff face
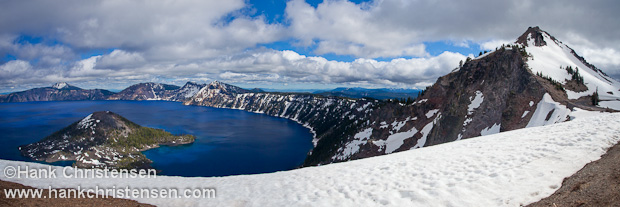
[(102, 140), (485, 96), (187, 91), (59, 92), (498, 91), (329, 118), (158, 91), (144, 91)]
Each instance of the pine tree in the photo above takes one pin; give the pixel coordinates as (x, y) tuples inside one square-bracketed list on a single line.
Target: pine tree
[(409, 100), (595, 99)]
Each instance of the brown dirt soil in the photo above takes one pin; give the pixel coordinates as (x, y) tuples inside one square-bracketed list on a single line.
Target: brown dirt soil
[(573, 85), (59, 201), (596, 184)]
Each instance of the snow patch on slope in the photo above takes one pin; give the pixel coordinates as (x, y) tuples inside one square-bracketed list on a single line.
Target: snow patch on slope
[(396, 125), (87, 122), (353, 146), (548, 112), (425, 131), (491, 130), (431, 113), (394, 141), (525, 114), (475, 102), (60, 85)]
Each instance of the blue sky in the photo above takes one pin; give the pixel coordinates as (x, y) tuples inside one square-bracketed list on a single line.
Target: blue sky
[(292, 44)]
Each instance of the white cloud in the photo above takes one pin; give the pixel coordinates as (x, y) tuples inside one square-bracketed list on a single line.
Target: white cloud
[(120, 59), (206, 40), (258, 66), (359, 50), (14, 69), (345, 28), (20, 74), (288, 66), (169, 30), (605, 57), (390, 28), (44, 55), (86, 68), (493, 44)]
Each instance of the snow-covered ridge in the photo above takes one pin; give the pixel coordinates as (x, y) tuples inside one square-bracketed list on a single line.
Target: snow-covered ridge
[(552, 59), (507, 169)]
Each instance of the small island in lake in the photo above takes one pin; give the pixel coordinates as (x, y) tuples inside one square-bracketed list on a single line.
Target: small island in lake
[(103, 140)]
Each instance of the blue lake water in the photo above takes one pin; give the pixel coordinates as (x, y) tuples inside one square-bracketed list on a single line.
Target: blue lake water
[(228, 142)]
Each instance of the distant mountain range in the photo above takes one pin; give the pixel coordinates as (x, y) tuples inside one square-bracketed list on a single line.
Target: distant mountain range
[(58, 92), (379, 93), (535, 81), (157, 91)]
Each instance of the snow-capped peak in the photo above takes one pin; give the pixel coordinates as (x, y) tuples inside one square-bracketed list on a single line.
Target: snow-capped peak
[(552, 58), (215, 83), (60, 85), (224, 87), (190, 89), (190, 83)]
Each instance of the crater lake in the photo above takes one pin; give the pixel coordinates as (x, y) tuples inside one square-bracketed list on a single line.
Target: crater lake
[(228, 141)]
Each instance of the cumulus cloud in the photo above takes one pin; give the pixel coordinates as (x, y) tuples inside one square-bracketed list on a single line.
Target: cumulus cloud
[(20, 74), (14, 69), (345, 28), (44, 55), (169, 30), (207, 40), (290, 67), (390, 28), (120, 59), (494, 44), (260, 66)]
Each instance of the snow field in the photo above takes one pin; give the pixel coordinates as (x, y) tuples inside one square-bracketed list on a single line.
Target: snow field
[(506, 169), (610, 104)]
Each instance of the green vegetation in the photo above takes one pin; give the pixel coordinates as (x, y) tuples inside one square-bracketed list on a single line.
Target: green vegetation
[(144, 136), (136, 161), (406, 101), (516, 47), (555, 83), (574, 74), (595, 99)]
